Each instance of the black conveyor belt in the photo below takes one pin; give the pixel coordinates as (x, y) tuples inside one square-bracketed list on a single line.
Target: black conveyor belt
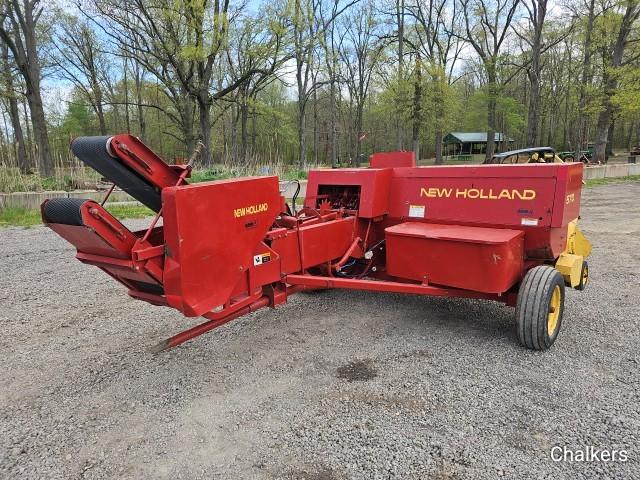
[(93, 152), (64, 210)]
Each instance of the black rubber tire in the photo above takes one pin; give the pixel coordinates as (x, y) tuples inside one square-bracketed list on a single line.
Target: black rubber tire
[(569, 159), (532, 309), (582, 285)]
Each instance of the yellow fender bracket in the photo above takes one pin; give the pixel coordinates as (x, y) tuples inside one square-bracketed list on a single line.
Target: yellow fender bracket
[(577, 243), (569, 263), (570, 266)]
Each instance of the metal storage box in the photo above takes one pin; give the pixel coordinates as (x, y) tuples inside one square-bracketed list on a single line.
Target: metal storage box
[(472, 258)]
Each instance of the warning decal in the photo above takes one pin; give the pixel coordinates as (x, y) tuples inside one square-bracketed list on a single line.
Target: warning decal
[(416, 211), (261, 258)]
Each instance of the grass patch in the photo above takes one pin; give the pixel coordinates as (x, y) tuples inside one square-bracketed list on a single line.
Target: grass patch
[(129, 211), (295, 174), (209, 175), (65, 179), (19, 217), (594, 182), (223, 173), (23, 217)]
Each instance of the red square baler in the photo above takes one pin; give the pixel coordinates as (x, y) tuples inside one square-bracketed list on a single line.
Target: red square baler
[(225, 248)]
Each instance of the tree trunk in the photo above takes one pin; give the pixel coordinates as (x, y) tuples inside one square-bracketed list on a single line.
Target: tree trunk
[(22, 42), (302, 154), (22, 158), (610, 81), (602, 134), (28, 128), (204, 110), (629, 137), (38, 120), (609, 149), (332, 131), (400, 20), (358, 131), (186, 116), (99, 109), (438, 138), (141, 122), (540, 11), (491, 112), (417, 110), (39, 123), (244, 137), (440, 114), (315, 126), (126, 97), (254, 127), (585, 81)]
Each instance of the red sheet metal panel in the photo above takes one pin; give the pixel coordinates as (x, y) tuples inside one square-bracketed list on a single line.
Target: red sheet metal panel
[(323, 242), (568, 190), (535, 198), (374, 186), (211, 231), (487, 260), (142, 160), (392, 160)]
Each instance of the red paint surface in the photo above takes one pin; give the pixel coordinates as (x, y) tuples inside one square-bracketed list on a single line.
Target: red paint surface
[(486, 260)]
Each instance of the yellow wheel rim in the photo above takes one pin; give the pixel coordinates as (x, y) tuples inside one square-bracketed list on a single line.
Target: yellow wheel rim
[(585, 276), (554, 311)]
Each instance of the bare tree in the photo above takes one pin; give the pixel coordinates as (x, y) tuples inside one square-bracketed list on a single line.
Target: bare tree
[(536, 44), (18, 24), (361, 53), (537, 12), (180, 43), (400, 19), (437, 23), (248, 55), (81, 60), (613, 59), (306, 28), (9, 93), (586, 77), (486, 25), (332, 42)]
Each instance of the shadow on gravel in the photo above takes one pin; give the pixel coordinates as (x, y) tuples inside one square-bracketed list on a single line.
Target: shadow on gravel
[(466, 318), (357, 371)]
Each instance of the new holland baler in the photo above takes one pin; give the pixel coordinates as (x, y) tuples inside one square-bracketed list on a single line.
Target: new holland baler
[(225, 248)]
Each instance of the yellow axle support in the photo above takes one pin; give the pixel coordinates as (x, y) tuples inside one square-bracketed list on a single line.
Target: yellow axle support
[(569, 263)]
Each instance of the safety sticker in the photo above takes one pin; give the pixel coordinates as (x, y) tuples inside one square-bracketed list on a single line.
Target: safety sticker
[(261, 258), (529, 222), (416, 211)]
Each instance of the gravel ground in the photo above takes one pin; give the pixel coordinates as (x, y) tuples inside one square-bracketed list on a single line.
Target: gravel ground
[(333, 385)]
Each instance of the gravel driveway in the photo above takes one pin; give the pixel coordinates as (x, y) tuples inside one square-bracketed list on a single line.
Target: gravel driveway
[(333, 385)]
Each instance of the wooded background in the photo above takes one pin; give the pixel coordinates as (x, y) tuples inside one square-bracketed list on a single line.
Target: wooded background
[(315, 81)]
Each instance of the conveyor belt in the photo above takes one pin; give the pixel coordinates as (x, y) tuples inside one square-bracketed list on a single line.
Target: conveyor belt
[(64, 210), (93, 152)]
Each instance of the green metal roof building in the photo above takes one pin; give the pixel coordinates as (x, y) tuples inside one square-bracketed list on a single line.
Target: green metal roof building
[(467, 143)]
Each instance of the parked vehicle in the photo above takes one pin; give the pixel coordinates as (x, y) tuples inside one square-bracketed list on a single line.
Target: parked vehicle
[(585, 156), (526, 155)]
